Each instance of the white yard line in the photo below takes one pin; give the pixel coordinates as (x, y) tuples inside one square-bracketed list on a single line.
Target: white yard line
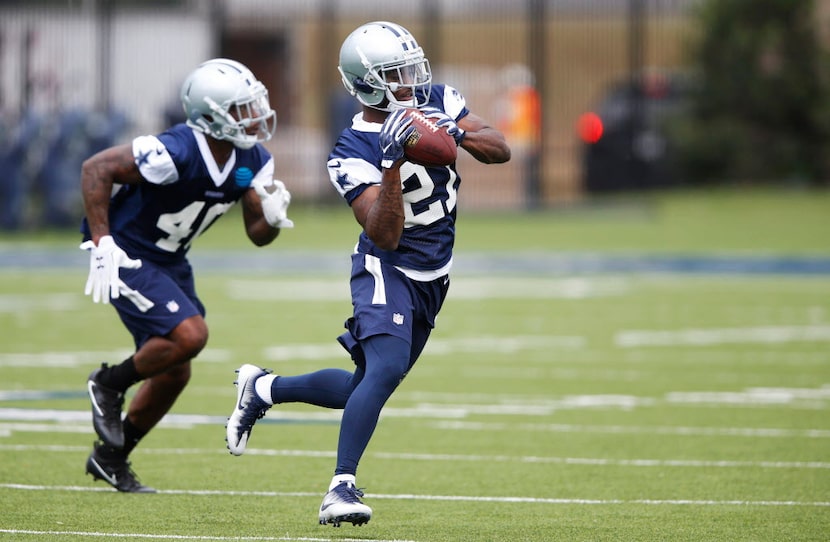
[(632, 343), (463, 287), (714, 336), (19, 304), (306, 351), (451, 416), (585, 461), (94, 534), (454, 498), (754, 432)]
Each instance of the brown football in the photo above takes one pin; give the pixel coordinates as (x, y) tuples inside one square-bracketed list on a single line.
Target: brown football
[(429, 145)]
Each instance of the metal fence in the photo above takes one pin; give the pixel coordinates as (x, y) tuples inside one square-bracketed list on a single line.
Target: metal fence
[(78, 75)]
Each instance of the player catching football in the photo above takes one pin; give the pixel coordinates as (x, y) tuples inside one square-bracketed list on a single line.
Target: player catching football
[(400, 269), (173, 186)]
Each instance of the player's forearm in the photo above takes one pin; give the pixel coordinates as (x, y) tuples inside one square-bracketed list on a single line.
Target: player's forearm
[(384, 222), (487, 145)]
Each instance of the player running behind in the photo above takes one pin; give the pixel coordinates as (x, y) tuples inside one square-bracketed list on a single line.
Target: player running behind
[(173, 187)]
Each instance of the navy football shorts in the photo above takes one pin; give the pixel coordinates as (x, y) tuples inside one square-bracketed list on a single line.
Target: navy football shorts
[(159, 299), (388, 302)]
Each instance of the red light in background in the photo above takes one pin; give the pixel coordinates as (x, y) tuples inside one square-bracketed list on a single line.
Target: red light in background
[(589, 127)]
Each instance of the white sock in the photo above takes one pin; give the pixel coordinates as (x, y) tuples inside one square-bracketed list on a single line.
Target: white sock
[(262, 386), (340, 478)]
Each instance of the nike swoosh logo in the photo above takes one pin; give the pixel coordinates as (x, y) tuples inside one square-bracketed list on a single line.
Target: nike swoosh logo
[(159, 151), (111, 479), (90, 389), (322, 508)]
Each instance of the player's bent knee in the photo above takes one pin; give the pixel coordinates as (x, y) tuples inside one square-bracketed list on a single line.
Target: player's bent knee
[(190, 336), (387, 357)]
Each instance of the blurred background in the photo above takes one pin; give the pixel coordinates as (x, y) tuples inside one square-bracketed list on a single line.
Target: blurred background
[(596, 97)]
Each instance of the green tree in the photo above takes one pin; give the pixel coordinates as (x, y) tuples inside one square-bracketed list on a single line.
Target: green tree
[(759, 108)]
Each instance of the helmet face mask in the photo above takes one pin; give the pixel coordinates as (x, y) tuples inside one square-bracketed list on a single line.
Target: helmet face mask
[(407, 75), (223, 99), (381, 59)]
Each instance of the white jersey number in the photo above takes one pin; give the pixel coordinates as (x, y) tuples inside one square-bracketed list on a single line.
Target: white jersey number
[(419, 188), (179, 226)]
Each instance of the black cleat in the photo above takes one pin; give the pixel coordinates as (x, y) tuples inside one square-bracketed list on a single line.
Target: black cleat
[(106, 411), (116, 472)]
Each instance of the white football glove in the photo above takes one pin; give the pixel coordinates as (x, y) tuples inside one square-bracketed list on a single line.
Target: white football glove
[(104, 262), (275, 199)]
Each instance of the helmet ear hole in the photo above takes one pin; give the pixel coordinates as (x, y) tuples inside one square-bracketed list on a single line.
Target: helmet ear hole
[(362, 86)]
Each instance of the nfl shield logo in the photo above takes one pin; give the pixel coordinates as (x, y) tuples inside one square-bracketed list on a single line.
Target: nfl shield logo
[(397, 318)]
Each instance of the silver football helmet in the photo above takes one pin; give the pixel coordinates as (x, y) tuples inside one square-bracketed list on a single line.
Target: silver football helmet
[(223, 99), (380, 58)]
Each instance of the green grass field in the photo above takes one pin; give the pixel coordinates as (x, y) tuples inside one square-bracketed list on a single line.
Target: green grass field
[(562, 405)]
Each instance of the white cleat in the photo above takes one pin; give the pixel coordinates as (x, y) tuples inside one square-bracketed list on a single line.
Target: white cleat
[(249, 408), (342, 504)]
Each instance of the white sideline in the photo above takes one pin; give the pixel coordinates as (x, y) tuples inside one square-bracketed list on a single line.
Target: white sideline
[(94, 534), (454, 498), (463, 287), (706, 337), (307, 351), (759, 432), (587, 461), (77, 421)]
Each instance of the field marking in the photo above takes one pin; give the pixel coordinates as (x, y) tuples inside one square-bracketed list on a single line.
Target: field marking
[(450, 422), (718, 356), (436, 405), (632, 429), (713, 336), (437, 346), (586, 461), (307, 351), (94, 534), (502, 345), (25, 303), (462, 288), (170, 420), (816, 398), (454, 498), (83, 358)]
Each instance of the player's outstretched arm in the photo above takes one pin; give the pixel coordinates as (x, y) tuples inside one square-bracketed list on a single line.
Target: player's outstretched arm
[(98, 175), (483, 142)]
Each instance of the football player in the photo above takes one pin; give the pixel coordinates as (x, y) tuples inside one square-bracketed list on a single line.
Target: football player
[(171, 187), (401, 264)]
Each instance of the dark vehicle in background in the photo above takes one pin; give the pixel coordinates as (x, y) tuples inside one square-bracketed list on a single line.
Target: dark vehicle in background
[(626, 141)]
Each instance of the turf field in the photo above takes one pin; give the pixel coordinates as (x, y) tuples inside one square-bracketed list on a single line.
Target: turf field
[(647, 369)]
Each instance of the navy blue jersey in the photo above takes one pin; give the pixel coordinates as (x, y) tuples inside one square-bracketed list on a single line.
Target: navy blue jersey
[(429, 193), (184, 194)]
